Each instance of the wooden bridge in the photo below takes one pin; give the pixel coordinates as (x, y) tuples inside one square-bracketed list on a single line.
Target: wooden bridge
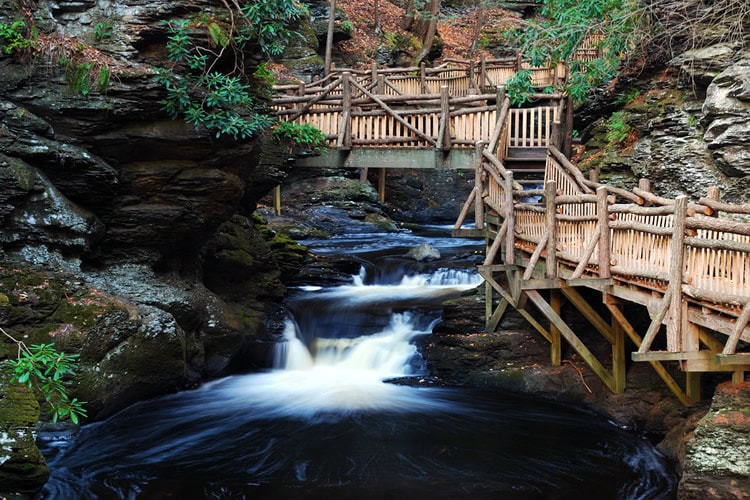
[(554, 238)]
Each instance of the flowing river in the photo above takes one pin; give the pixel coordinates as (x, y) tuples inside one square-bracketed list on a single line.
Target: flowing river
[(325, 423)]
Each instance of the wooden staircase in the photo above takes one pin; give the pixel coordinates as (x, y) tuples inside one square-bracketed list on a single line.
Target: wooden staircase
[(527, 165)]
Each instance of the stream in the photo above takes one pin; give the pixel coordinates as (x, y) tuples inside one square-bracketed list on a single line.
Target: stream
[(326, 423)]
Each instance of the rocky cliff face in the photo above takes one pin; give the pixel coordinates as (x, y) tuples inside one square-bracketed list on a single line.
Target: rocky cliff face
[(149, 219), (685, 125)]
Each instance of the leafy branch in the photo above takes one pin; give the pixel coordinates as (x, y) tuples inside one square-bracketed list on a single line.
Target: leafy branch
[(204, 86), (43, 367)]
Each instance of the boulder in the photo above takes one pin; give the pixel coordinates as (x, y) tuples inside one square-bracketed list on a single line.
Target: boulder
[(717, 458), (423, 252), (23, 470), (727, 116)]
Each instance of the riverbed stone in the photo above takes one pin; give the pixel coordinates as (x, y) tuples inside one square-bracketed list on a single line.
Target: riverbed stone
[(423, 252)]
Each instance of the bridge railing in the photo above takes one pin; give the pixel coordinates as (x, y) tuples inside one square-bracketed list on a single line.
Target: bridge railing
[(352, 115), (462, 77), (683, 251)]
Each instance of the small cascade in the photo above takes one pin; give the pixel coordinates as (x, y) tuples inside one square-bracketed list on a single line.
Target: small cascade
[(325, 422)]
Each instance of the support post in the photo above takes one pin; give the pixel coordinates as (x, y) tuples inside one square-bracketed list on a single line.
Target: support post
[(381, 183), (374, 76), (277, 199), (555, 302), (618, 356), (423, 78), (693, 386)]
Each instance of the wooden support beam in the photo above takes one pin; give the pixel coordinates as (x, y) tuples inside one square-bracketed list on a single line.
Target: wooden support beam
[(693, 386), (539, 284), (619, 361), (381, 184), (656, 321), (277, 199), (497, 315), (670, 356), (636, 339), (602, 326), (492, 251), (554, 332), (572, 339), (739, 327)]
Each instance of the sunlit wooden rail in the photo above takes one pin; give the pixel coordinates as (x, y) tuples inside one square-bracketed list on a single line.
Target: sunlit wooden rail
[(683, 265)]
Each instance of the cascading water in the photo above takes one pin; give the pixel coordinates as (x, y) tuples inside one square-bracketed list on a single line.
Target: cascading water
[(326, 423)]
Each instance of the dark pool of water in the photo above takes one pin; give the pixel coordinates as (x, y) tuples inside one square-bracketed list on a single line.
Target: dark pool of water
[(325, 425)]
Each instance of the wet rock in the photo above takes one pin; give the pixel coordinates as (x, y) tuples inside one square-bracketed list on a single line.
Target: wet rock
[(423, 252), (727, 114), (23, 469), (40, 224), (717, 458)]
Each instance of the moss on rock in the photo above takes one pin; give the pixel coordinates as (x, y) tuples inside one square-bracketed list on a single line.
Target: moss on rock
[(23, 469)]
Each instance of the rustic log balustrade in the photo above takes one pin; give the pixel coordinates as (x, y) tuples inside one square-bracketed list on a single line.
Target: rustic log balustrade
[(688, 268), (567, 241)]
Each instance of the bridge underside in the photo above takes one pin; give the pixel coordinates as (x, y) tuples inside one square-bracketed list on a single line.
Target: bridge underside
[(456, 159)]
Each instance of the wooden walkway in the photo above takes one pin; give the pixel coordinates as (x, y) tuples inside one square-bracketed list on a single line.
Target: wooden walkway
[(554, 238), (683, 265)]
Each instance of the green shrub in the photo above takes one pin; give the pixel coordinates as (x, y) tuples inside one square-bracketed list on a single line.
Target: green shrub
[(300, 135), (42, 367)]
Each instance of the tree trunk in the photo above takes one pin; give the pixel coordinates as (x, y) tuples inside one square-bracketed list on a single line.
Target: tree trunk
[(477, 29), (409, 16), (329, 39), (377, 18), (427, 30)]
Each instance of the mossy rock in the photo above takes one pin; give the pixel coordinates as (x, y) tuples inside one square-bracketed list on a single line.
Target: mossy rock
[(23, 469)]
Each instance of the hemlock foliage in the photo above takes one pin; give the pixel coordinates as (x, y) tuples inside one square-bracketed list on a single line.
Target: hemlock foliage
[(615, 28)]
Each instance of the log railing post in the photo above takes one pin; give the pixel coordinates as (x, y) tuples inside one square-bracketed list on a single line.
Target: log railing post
[(510, 244), (550, 192), (423, 78), (499, 98), (644, 185), (479, 201), (519, 62), (602, 211), (301, 93), (677, 255), (714, 193), (344, 140), (444, 141), (374, 76)]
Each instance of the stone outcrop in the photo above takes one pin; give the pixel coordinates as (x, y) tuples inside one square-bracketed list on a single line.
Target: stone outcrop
[(23, 469), (127, 236), (717, 460)]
